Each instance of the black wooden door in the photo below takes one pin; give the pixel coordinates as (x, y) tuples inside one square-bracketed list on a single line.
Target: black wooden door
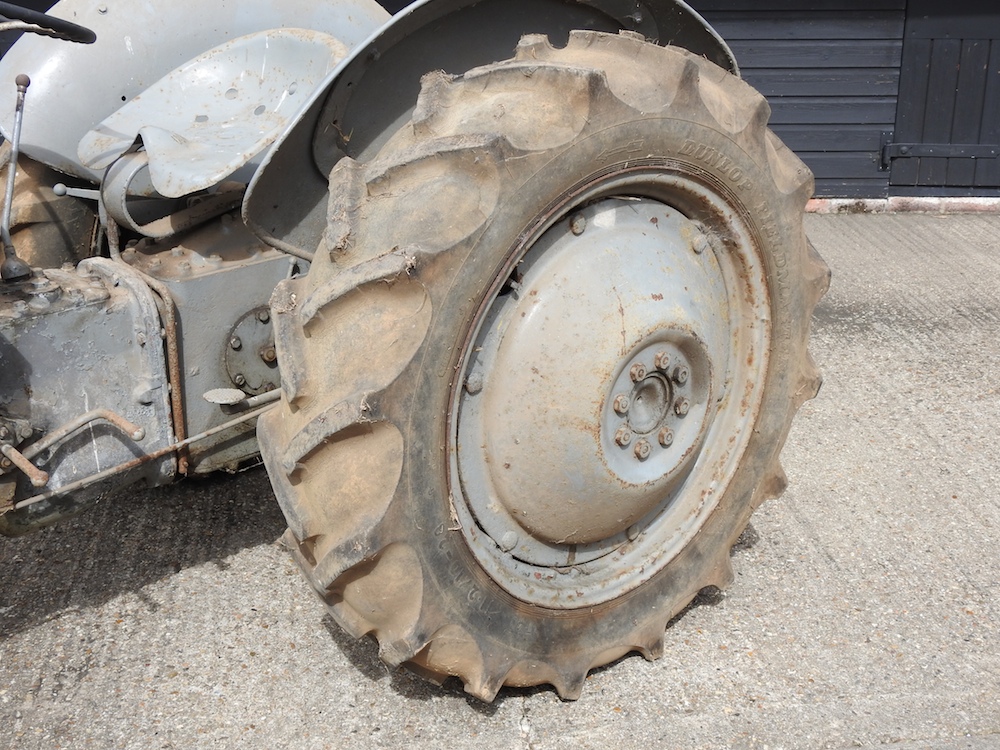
[(947, 136)]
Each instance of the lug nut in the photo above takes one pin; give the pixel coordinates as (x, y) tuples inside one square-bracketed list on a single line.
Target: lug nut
[(264, 316), (661, 361), (642, 449), (4, 432), (268, 354), (700, 244), (236, 343), (666, 437), (681, 374), (474, 383), (239, 380), (622, 404), (578, 224), (624, 436), (638, 372), (681, 407)]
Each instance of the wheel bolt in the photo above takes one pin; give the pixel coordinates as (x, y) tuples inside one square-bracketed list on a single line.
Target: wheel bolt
[(624, 436), (474, 383), (578, 224), (661, 361), (681, 374), (508, 541), (681, 407), (666, 437), (638, 372), (264, 316), (642, 450), (700, 244), (268, 354), (622, 404), (239, 380), (236, 343)]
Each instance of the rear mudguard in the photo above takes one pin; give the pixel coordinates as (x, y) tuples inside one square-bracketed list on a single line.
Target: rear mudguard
[(372, 92), (74, 86)]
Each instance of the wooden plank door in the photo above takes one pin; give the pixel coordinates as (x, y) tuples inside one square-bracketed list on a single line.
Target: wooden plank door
[(947, 136)]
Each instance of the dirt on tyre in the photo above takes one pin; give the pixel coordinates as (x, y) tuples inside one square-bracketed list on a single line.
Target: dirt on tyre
[(540, 372)]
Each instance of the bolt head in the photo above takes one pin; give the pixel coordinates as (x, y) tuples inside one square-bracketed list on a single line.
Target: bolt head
[(4, 432), (239, 379), (474, 383), (508, 541), (681, 407), (681, 374), (264, 316), (268, 354), (236, 343), (578, 224), (642, 449), (662, 361), (666, 437), (700, 244), (623, 436), (638, 372), (622, 404)]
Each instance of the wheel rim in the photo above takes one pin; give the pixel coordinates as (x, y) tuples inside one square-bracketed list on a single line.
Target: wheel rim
[(607, 389)]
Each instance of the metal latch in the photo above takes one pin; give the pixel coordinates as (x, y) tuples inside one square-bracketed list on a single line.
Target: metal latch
[(892, 151)]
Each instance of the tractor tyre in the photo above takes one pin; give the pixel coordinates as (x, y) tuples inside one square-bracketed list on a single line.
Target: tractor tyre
[(541, 369)]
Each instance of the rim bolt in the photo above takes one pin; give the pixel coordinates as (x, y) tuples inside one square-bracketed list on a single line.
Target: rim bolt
[(508, 541), (666, 437), (661, 361), (578, 224), (239, 380), (681, 374), (268, 354), (236, 343), (642, 449), (681, 407), (264, 316), (700, 244), (638, 372), (474, 383), (622, 404), (624, 436), (633, 532)]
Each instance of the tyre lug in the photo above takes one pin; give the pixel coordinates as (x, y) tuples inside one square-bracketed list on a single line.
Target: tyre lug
[(662, 361), (642, 450), (638, 372), (681, 374), (622, 404), (681, 407), (236, 343), (666, 437), (623, 436), (578, 224)]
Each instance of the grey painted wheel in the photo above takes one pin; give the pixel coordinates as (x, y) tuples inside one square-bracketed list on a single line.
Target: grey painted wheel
[(543, 365)]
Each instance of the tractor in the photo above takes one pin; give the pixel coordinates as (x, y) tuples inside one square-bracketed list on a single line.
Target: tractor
[(510, 297)]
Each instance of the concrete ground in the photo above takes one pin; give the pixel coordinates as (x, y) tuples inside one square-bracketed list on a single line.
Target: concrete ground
[(865, 611)]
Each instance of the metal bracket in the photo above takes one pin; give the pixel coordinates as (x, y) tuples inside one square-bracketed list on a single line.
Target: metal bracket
[(892, 151)]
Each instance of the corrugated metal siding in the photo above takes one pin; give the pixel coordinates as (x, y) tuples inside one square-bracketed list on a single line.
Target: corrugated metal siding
[(830, 70)]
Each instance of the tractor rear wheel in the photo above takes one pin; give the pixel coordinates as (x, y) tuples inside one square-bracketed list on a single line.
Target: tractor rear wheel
[(542, 367)]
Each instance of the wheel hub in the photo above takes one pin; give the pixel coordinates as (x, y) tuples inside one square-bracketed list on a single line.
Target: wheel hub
[(589, 394)]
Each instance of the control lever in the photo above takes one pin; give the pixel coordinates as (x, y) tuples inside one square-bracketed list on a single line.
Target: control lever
[(13, 268)]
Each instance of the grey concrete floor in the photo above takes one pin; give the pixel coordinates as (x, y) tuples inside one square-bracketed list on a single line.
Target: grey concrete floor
[(865, 610)]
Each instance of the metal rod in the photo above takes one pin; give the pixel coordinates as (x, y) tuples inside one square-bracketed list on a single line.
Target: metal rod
[(13, 268), (134, 431), (38, 477), (175, 448)]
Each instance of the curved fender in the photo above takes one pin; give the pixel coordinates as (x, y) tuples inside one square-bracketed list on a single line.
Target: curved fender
[(372, 92), (74, 87)]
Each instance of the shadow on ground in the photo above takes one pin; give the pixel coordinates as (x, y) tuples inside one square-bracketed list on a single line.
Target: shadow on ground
[(130, 540)]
